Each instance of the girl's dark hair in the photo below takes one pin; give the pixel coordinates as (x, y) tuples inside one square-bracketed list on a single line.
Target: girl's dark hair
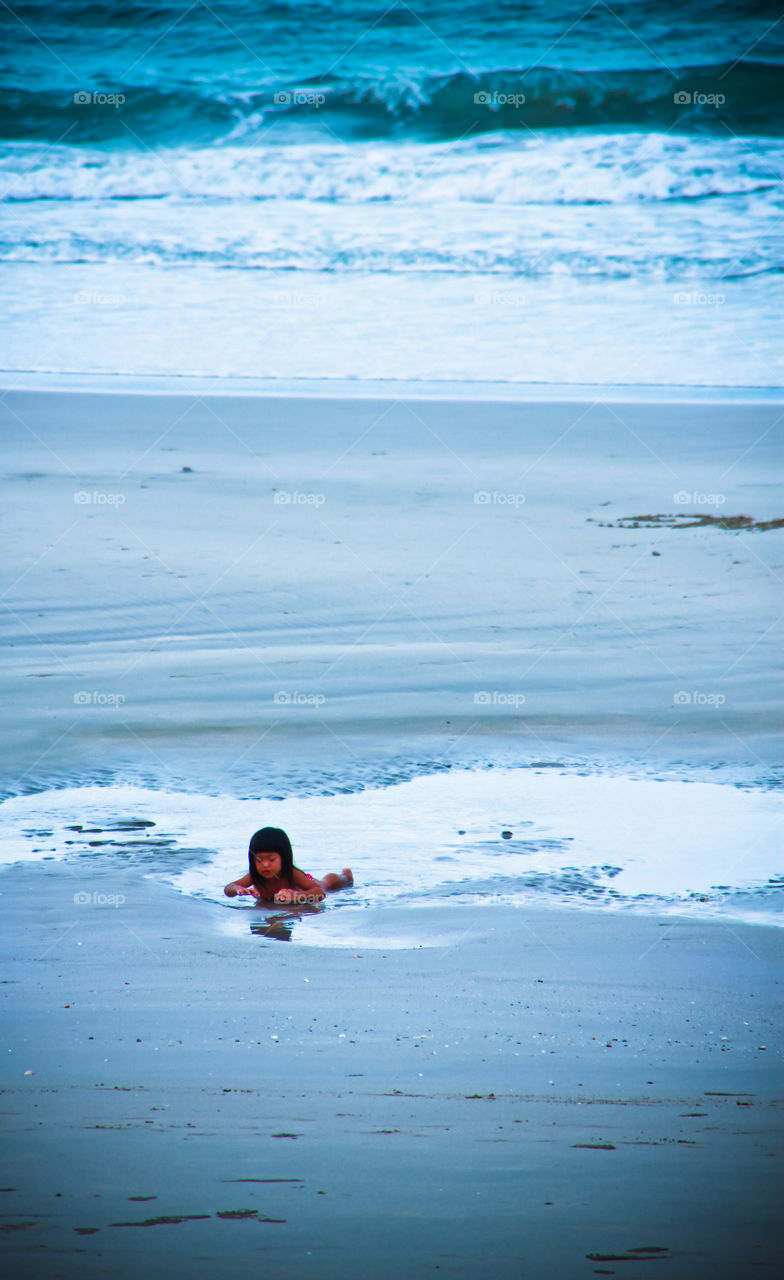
[(271, 840)]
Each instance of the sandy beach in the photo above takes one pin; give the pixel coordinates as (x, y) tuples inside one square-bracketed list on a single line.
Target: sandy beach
[(222, 596), (228, 577), (565, 1093), (391, 405)]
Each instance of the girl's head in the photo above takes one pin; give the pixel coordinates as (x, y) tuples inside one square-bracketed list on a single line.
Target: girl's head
[(270, 854)]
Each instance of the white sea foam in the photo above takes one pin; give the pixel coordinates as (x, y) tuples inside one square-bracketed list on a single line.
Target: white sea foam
[(449, 260), (493, 169)]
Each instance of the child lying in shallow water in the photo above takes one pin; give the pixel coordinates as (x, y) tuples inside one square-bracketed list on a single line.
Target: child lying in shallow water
[(272, 876)]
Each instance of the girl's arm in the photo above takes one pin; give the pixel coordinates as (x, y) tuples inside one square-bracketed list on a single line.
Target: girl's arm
[(306, 889), (243, 885)]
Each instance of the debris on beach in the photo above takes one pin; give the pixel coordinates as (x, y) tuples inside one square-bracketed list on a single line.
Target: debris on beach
[(159, 1222), (631, 1255), (691, 521)]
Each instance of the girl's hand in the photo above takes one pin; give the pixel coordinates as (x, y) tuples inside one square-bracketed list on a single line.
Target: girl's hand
[(250, 889), (287, 895)]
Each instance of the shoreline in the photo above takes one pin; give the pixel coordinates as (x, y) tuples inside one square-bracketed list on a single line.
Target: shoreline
[(349, 757), (124, 383), (574, 838)]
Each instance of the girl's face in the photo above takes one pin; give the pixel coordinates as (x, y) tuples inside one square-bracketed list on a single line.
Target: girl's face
[(268, 865)]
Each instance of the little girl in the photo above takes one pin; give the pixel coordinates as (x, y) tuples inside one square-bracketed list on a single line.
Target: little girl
[(272, 876)]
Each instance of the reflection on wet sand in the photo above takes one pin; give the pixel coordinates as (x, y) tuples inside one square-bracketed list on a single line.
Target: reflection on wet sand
[(280, 925)]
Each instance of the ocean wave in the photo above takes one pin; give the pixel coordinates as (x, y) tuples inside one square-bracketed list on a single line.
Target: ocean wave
[(403, 102), (345, 254), (598, 169)]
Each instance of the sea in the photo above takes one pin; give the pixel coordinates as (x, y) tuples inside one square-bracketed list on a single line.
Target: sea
[(309, 194), (500, 193)]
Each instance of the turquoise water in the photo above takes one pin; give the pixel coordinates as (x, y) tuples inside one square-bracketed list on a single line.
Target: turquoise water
[(193, 74), (511, 192)]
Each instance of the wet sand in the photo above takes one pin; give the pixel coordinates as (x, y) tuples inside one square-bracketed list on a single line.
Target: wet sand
[(562, 1092), (570, 1092), (242, 591)]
